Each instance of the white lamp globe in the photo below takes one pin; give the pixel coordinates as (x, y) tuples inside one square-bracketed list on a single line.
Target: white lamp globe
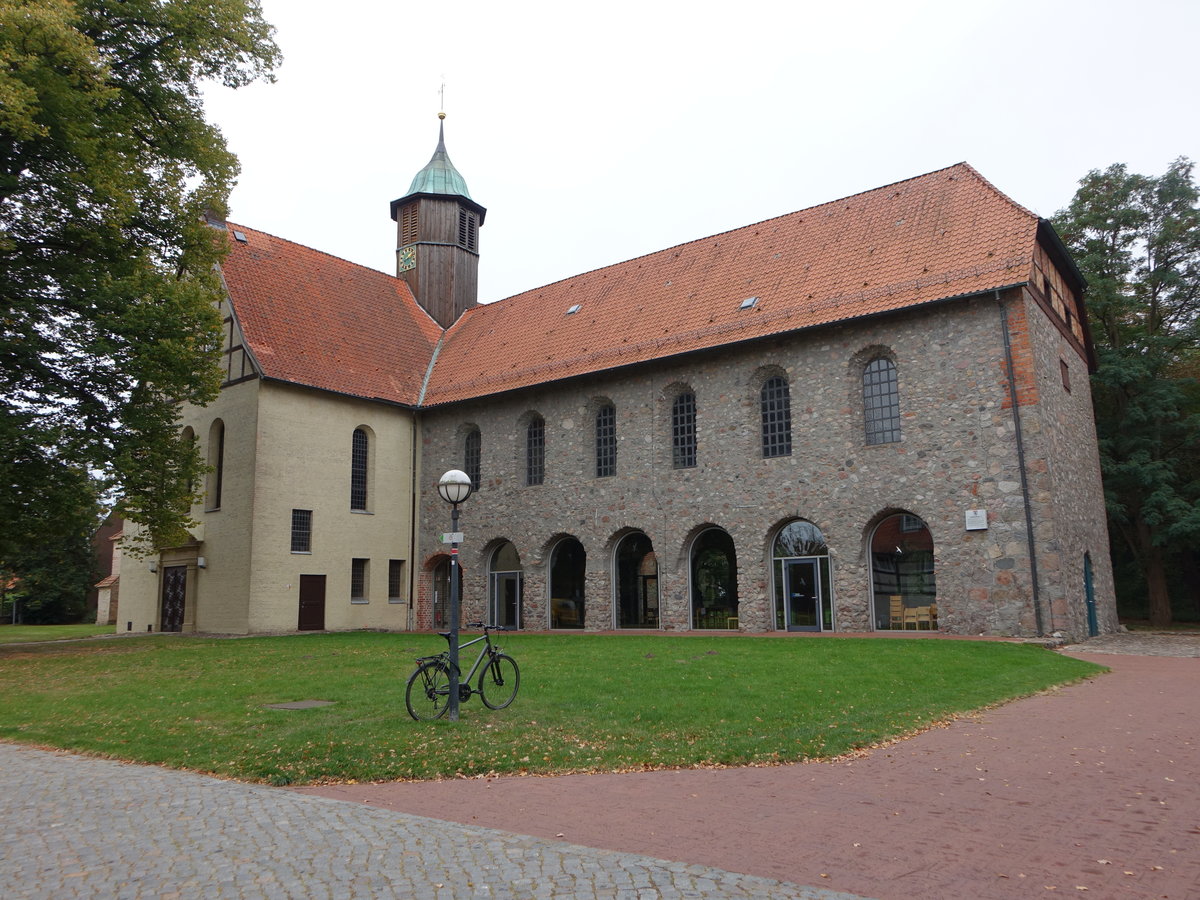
[(455, 486)]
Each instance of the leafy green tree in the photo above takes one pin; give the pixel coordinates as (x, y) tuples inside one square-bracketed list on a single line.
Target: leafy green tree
[(1137, 240), (50, 577), (107, 167)]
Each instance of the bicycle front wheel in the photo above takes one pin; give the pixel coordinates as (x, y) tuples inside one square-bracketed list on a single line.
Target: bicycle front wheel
[(428, 692), (499, 682)]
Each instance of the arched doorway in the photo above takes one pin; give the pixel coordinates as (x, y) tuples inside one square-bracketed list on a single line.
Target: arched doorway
[(637, 582), (568, 564), (714, 580), (505, 579), (802, 579), (903, 584)]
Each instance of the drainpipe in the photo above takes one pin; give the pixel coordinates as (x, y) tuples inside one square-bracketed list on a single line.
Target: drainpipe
[(413, 529), (1016, 411)]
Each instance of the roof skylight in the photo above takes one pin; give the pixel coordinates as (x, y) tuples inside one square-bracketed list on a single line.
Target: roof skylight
[(748, 303)]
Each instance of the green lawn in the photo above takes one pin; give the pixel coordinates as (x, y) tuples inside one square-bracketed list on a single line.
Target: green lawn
[(20, 634), (602, 703)]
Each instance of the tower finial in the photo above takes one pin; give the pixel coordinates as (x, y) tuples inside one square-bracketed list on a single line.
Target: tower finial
[(442, 99)]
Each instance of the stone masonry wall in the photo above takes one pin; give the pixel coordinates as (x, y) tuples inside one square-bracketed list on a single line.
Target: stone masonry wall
[(957, 452)]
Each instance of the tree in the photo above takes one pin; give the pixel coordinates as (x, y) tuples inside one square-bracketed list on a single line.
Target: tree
[(1137, 241), (107, 268)]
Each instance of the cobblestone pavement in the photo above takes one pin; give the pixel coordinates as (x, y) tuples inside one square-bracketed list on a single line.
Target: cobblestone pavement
[(74, 826), (1142, 643)]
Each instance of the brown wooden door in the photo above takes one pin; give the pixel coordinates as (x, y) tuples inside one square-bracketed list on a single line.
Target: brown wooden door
[(312, 603), (174, 589)]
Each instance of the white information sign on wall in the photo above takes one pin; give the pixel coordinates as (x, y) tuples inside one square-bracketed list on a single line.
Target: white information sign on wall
[(977, 520)]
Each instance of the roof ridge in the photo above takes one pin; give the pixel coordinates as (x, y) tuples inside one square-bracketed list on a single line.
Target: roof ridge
[(232, 225), (795, 212)]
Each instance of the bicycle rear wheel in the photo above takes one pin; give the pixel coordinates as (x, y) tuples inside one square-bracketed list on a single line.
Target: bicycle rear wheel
[(499, 682), (428, 693)]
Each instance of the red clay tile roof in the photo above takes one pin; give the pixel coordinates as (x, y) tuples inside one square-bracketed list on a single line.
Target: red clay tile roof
[(316, 320), (940, 235)]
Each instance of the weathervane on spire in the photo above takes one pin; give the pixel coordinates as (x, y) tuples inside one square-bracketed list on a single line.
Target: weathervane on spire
[(442, 99)]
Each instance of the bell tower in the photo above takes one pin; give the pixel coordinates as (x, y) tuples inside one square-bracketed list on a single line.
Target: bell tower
[(437, 237)]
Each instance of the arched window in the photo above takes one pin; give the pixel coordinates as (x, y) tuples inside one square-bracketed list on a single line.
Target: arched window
[(803, 583), (568, 584), (902, 577), (360, 449), (606, 441), (776, 408), (683, 431), (216, 462), (188, 438), (714, 581), (881, 402), (637, 583), (471, 457), (535, 450), (506, 583)]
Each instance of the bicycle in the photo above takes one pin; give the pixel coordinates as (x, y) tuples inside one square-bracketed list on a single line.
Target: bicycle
[(428, 693)]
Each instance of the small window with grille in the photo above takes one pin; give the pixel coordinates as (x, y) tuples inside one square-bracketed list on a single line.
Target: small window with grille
[(683, 431), (359, 570), (776, 412), (395, 581), (606, 441), (535, 451), (302, 530), (881, 402)]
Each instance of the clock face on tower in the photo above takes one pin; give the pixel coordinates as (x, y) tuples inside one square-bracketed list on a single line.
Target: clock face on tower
[(406, 258)]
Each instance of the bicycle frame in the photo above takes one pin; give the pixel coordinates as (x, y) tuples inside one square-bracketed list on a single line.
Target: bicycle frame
[(483, 651)]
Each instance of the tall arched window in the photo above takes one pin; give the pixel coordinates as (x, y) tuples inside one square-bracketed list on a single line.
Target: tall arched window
[(606, 441), (216, 462), (714, 581), (776, 408), (535, 450), (471, 457), (568, 583), (902, 578), (683, 431), (881, 402), (360, 449), (803, 581)]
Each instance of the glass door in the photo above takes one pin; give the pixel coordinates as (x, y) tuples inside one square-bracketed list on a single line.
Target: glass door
[(802, 595), (506, 599)]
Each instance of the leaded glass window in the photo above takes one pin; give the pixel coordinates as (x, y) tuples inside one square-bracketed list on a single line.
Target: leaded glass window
[(471, 457), (683, 431), (359, 452), (881, 402), (535, 451), (606, 441), (776, 406)]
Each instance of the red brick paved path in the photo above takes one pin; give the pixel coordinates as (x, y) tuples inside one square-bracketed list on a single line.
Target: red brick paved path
[(1093, 786)]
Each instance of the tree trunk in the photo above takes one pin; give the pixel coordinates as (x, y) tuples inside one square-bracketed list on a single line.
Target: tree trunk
[(1156, 577)]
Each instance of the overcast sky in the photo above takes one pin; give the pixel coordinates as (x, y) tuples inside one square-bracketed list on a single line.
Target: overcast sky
[(594, 133)]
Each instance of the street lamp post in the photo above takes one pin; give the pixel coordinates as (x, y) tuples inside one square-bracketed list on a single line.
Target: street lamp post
[(454, 487)]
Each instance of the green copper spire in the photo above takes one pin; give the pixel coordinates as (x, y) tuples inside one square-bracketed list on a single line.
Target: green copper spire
[(439, 175)]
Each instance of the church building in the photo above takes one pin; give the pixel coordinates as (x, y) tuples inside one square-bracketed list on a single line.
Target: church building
[(873, 414)]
